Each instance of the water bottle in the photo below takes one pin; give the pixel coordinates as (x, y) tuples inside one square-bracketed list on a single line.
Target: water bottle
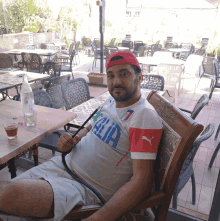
[(27, 103)]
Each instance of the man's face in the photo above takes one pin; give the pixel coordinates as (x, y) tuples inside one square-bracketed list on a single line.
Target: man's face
[(122, 82)]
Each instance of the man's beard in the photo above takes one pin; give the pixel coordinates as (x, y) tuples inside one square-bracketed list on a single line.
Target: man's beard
[(128, 95)]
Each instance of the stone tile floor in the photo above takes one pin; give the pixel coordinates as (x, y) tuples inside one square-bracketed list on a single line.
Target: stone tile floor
[(205, 179)]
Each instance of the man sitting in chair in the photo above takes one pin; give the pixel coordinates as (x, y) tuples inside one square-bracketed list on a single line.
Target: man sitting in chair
[(115, 154)]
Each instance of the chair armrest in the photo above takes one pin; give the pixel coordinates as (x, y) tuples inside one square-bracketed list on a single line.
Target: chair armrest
[(81, 212), (185, 110)]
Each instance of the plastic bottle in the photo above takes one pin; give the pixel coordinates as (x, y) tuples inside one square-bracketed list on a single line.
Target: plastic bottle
[(27, 103)]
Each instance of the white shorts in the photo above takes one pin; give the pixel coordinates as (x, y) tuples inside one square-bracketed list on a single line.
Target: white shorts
[(67, 192)]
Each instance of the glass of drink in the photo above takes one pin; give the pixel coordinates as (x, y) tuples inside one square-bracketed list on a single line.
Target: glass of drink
[(30, 119), (11, 130)]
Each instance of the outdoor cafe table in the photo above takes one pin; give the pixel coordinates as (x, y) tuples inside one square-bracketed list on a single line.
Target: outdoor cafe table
[(9, 79), (84, 110), (151, 61), (178, 50), (41, 52), (48, 121)]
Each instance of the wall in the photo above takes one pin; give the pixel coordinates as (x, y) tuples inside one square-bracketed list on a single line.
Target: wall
[(19, 40)]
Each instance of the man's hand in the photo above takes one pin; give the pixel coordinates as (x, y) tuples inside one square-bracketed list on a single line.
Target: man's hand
[(66, 142)]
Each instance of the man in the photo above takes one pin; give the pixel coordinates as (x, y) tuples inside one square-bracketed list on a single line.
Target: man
[(115, 154)]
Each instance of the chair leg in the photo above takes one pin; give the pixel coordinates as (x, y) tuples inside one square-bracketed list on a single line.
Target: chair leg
[(93, 64), (214, 156), (174, 200), (193, 189), (217, 132)]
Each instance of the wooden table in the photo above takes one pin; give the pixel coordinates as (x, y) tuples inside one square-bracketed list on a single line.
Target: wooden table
[(84, 110), (9, 79), (48, 121)]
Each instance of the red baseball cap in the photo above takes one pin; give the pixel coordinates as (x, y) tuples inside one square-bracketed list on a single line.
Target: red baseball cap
[(128, 58)]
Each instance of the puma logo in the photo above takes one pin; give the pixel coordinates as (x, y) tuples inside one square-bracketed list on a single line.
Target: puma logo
[(149, 140)]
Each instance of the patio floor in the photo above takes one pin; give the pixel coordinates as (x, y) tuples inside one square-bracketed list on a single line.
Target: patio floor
[(205, 179)]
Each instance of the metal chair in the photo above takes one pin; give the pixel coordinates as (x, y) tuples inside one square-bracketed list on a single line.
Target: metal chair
[(140, 52), (178, 136), (5, 61), (208, 69), (75, 92), (96, 55), (86, 43), (65, 64), (204, 100), (112, 42), (185, 55), (52, 68), (127, 44), (153, 48), (30, 47), (153, 82), (187, 169), (201, 51), (53, 88), (137, 45), (172, 76), (32, 62)]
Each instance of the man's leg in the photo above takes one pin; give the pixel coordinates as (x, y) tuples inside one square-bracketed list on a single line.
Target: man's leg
[(27, 197)]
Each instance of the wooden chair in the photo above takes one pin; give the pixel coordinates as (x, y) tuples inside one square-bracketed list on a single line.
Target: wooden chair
[(179, 134)]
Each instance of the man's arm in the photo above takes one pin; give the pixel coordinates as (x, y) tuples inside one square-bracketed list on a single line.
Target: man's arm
[(66, 142), (130, 194)]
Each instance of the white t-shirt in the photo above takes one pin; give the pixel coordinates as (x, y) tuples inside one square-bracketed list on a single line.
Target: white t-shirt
[(104, 156)]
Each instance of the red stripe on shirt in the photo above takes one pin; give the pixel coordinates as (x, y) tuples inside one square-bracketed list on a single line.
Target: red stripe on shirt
[(144, 140)]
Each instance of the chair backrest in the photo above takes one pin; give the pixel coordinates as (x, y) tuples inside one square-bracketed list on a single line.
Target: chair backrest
[(86, 42), (201, 51), (71, 48), (5, 61), (171, 73), (128, 44), (156, 47), (52, 68), (168, 45), (94, 48), (153, 82), (41, 98), (216, 65), (58, 80), (138, 44), (112, 42), (162, 55), (204, 100), (75, 92), (192, 64), (186, 45), (141, 50), (32, 61), (204, 42), (208, 65), (169, 39), (206, 134), (97, 42), (77, 46), (179, 133)]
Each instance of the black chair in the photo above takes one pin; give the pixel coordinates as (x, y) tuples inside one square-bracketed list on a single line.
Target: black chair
[(153, 82), (30, 47), (77, 50), (112, 42), (153, 48), (137, 45), (65, 64), (208, 69), (201, 51), (32, 62), (215, 78), (127, 44), (140, 52), (185, 55), (86, 43), (96, 55), (5, 61), (75, 92), (187, 169), (204, 100)]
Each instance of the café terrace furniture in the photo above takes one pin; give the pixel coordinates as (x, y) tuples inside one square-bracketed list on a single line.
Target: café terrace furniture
[(96, 55), (178, 136), (140, 52), (204, 42), (177, 51), (208, 69), (192, 69), (153, 48), (112, 42), (172, 76), (5, 61), (201, 51), (215, 80), (86, 43), (185, 55), (9, 79), (187, 170), (65, 64), (48, 121), (32, 62), (31, 47), (169, 45), (153, 82), (127, 44)]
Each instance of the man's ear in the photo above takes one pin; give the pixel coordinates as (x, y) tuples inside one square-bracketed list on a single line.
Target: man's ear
[(140, 77)]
